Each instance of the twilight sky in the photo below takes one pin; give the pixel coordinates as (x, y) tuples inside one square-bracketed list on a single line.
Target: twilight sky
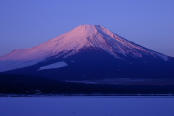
[(27, 23)]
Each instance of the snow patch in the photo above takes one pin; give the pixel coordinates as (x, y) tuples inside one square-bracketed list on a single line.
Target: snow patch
[(54, 66)]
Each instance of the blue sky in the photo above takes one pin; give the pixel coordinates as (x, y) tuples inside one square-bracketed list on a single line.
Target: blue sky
[(27, 23)]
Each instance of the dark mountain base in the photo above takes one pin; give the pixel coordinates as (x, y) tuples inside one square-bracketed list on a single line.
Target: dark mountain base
[(93, 63), (15, 84)]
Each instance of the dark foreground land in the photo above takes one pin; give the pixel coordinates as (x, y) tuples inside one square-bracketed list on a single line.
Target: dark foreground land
[(23, 85)]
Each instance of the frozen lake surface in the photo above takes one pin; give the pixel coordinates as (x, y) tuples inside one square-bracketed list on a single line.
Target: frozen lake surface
[(87, 106)]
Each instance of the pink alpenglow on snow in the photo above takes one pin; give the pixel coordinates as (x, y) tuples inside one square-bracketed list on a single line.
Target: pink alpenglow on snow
[(83, 36)]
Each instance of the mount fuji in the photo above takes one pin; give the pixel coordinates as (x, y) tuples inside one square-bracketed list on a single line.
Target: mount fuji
[(88, 52), (89, 59)]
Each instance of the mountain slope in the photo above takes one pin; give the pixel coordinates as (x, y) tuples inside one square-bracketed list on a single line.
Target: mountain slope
[(88, 51), (82, 37)]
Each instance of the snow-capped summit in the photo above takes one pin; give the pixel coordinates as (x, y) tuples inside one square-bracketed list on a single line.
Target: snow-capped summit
[(81, 37)]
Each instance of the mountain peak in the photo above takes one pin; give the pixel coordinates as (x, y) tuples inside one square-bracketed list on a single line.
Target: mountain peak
[(86, 28), (82, 37), (89, 26), (89, 29)]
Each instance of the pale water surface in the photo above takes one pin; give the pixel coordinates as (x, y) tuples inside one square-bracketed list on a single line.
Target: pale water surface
[(87, 106)]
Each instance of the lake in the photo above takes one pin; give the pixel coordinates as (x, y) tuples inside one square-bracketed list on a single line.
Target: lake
[(87, 106)]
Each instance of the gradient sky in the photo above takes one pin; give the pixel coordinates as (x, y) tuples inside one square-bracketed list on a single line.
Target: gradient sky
[(26, 23)]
